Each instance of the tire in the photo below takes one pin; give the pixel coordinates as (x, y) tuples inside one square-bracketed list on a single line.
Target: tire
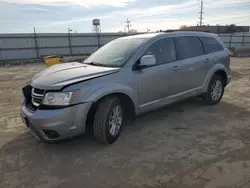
[(102, 126), (209, 96)]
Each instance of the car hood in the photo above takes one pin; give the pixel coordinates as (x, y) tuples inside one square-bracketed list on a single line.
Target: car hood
[(64, 74)]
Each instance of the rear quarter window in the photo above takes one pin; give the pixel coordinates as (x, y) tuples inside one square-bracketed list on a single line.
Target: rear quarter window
[(211, 45), (188, 47)]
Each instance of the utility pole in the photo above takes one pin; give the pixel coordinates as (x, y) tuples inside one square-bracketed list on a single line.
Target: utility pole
[(36, 43), (70, 47), (201, 14), (128, 25)]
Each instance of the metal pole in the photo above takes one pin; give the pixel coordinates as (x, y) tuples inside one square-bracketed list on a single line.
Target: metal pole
[(98, 39), (218, 29), (35, 38), (99, 36), (230, 41), (243, 39), (70, 47)]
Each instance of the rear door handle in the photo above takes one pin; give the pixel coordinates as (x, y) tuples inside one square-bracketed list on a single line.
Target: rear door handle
[(176, 68), (208, 60)]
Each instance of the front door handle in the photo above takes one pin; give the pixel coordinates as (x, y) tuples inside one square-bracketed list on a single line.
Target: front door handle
[(176, 68)]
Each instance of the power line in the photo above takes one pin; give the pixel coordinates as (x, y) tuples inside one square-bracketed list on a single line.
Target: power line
[(128, 25), (201, 14)]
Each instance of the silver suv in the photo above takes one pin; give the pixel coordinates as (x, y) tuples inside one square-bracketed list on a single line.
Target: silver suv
[(126, 77)]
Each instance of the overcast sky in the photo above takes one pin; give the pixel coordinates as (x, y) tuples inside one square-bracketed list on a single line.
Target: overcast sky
[(58, 15)]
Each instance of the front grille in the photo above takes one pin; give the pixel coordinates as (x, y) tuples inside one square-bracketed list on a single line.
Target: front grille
[(37, 100), (37, 96), (38, 91)]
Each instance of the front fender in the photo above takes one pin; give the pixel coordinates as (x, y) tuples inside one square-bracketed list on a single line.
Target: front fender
[(217, 67), (111, 89)]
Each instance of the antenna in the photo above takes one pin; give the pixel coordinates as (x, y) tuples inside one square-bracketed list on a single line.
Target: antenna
[(201, 14), (128, 25)]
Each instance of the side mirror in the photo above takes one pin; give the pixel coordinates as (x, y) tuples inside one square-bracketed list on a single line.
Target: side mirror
[(147, 60)]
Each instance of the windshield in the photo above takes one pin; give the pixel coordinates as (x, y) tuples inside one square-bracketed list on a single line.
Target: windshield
[(116, 53)]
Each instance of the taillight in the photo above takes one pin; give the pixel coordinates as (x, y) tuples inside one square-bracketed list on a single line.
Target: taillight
[(230, 54)]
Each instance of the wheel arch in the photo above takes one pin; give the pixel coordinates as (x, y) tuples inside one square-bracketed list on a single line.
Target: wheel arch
[(220, 70), (127, 103), (223, 74)]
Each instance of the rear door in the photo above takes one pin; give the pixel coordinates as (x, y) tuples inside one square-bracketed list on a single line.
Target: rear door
[(215, 52), (191, 65)]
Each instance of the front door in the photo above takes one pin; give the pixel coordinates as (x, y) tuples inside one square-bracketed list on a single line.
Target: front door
[(157, 82)]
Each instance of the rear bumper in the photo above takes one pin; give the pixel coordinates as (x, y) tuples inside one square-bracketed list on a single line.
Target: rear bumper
[(67, 122)]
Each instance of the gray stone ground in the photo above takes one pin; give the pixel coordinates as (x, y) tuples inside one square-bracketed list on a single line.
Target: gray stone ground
[(185, 145)]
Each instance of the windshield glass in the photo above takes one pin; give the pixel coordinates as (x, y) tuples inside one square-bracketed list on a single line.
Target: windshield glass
[(115, 53)]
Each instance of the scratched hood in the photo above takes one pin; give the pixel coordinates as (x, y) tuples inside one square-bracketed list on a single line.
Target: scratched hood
[(63, 74)]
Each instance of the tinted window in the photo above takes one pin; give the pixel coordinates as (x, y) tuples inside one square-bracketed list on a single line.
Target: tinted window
[(211, 45), (188, 47), (163, 50)]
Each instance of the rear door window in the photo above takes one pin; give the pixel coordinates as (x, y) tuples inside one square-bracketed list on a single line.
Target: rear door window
[(188, 47), (163, 50), (211, 45)]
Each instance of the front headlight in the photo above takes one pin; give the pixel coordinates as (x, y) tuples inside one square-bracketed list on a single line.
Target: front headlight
[(60, 98)]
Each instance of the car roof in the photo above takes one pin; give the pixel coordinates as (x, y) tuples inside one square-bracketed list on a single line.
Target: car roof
[(148, 35), (174, 33)]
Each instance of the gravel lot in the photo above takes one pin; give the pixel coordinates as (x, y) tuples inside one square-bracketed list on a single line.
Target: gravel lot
[(185, 145)]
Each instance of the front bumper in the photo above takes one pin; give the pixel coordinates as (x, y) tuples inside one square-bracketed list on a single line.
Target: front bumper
[(66, 122)]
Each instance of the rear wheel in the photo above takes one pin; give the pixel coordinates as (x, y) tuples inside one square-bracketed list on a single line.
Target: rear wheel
[(108, 120), (215, 90)]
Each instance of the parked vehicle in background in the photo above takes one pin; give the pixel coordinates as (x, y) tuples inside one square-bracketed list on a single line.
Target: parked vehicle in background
[(127, 77)]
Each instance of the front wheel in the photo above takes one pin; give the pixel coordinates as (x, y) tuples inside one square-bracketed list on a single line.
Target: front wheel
[(215, 90), (108, 120)]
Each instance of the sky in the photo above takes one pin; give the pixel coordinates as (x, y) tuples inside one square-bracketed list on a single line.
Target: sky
[(20, 16)]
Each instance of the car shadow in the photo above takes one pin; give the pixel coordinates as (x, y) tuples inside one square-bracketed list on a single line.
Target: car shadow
[(192, 105), (176, 109), (27, 154), (236, 75)]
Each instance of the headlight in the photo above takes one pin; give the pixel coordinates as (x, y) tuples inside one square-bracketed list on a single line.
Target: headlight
[(60, 98)]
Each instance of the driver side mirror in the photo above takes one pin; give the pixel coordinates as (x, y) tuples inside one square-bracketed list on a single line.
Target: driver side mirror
[(147, 60)]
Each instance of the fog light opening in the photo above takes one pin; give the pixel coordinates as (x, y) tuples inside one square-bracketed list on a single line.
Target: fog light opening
[(51, 134)]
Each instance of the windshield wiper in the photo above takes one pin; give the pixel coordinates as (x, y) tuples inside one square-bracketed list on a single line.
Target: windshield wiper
[(95, 63)]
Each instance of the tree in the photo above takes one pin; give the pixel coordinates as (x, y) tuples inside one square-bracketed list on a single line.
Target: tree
[(132, 31), (231, 28), (182, 27)]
